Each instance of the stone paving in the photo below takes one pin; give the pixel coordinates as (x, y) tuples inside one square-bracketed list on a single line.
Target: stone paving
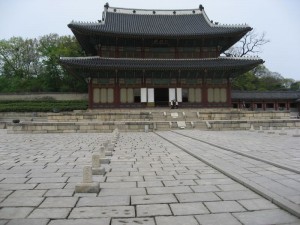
[(277, 183), (149, 181)]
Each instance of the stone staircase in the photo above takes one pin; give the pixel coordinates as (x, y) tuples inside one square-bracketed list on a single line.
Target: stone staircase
[(151, 119)]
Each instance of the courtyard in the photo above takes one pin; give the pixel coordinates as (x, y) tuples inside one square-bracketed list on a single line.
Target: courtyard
[(168, 177)]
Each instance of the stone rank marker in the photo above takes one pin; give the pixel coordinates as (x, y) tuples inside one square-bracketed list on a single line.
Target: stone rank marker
[(296, 133), (103, 159), (87, 185), (261, 129), (96, 165), (282, 132), (271, 131)]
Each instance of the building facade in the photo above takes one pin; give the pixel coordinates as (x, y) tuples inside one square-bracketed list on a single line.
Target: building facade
[(266, 101), (146, 58)]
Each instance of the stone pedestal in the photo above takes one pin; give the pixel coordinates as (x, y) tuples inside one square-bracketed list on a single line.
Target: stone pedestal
[(261, 129), (271, 131), (87, 188), (282, 132), (87, 185), (96, 165), (108, 153), (297, 134), (104, 160)]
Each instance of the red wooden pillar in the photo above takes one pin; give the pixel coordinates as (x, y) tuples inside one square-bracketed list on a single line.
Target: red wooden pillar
[(204, 93), (264, 106), (90, 92), (117, 90), (143, 49), (229, 93)]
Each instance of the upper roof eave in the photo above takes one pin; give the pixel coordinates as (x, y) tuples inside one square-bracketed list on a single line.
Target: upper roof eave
[(84, 31), (145, 22)]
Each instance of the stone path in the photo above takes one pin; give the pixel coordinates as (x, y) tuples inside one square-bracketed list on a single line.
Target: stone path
[(277, 184), (149, 181)]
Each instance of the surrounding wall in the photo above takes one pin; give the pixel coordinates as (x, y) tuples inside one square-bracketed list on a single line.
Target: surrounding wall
[(37, 96)]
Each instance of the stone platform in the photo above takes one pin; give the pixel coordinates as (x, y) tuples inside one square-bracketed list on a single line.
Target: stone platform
[(146, 120)]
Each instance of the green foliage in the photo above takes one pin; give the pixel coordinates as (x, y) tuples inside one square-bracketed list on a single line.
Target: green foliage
[(32, 65), (42, 106), (262, 79)]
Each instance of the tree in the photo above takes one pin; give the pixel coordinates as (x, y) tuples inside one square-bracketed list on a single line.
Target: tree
[(51, 48), (246, 82), (250, 44), (295, 86), (33, 64), (19, 57)]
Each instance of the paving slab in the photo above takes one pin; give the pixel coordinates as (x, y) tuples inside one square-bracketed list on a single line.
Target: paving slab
[(59, 202), (104, 201), (98, 221), (98, 212), (153, 210), (153, 199), (257, 204), (15, 212), (51, 213), (217, 219), (21, 201), (197, 197), (176, 220), (138, 221), (28, 222), (224, 206), (274, 216), (188, 209)]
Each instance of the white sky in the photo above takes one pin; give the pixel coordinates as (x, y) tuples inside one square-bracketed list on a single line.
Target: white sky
[(279, 19)]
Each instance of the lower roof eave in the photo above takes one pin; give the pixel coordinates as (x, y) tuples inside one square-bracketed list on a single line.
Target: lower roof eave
[(205, 66)]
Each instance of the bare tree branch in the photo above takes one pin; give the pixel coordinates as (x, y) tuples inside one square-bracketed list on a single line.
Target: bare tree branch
[(251, 43)]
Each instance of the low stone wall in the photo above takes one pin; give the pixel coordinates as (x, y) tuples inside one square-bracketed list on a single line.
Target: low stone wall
[(243, 115), (246, 125), (141, 126), (37, 96), (101, 127), (99, 116)]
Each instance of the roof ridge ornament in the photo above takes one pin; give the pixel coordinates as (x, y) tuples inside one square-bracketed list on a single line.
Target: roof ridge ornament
[(201, 7)]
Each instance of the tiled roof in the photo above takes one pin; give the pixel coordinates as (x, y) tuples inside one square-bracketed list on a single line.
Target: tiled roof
[(221, 63), (252, 95), (156, 23)]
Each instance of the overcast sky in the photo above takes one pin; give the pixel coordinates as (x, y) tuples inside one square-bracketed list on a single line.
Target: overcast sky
[(279, 19)]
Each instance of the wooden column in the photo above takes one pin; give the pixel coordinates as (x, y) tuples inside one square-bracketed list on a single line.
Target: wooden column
[(117, 90), (229, 92), (90, 92), (204, 91), (276, 105)]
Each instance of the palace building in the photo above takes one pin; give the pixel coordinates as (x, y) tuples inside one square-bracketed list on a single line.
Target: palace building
[(147, 58)]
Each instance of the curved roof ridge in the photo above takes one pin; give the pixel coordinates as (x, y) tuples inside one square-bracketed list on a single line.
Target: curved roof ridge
[(87, 22), (154, 11), (240, 58), (217, 24), (80, 57)]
